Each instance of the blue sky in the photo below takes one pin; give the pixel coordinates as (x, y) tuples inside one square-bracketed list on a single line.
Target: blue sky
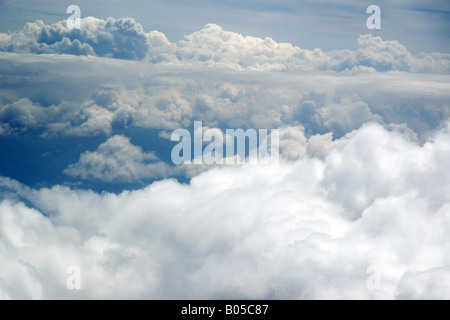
[(421, 26), (358, 207)]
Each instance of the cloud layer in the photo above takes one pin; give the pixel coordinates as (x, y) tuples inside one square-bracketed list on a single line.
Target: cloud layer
[(363, 184), (212, 46), (107, 96), (304, 229)]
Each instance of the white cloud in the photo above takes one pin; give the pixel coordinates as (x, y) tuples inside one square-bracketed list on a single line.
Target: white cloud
[(214, 47), (114, 38), (320, 112), (304, 229), (118, 160), (431, 284), (107, 96), (376, 195), (66, 118), (379, 55), (294, 144)]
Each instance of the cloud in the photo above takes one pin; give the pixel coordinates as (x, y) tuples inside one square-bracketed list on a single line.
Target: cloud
[(363, 180), (294, 144), (113, 38), (431, 284), (66, 118), (206, 77), (320, 113), (118, 160), (108, 96), (214, 47), (379, 55), (304, 229), (316, 111)]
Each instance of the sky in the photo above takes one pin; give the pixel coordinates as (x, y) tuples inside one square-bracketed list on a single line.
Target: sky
[(357, 207), (324, 24)]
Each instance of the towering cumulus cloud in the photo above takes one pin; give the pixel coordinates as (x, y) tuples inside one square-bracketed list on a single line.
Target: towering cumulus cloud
[(357, 207), (115, 38)]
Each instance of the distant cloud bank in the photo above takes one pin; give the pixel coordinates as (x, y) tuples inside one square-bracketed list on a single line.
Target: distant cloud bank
[(212, 46)]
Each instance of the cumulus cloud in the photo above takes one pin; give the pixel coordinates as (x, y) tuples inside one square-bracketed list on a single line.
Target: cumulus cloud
[(118, 160), (321, 113), (303, 229), (195, 79), (114, 38), (214, 47), (66, 118), (294, 143), (376, 54), (363, 182)]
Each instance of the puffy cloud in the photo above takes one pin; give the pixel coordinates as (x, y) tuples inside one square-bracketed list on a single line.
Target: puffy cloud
[(118, 160), (66, 118), (214, 47), (294, 144), (114, 38), (379, 55), (431, 284), (320, 113), (261, 231), (366, 173)]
